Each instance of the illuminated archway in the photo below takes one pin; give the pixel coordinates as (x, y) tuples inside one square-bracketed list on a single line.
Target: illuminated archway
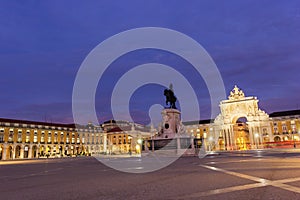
[(239, 106)]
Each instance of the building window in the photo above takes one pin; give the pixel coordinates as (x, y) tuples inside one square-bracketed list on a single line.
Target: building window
[(78, 140), (114, 140), (49, 138), (43, 138), (11, 135), (1, 137), (10, 138), (27, 138), (284, 129), (35, 138), (73, 140), (83, 140), (19, 136), (265, 132), (67, 140)]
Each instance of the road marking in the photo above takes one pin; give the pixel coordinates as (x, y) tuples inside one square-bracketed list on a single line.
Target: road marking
[(271, 168), (225, 190), (253, 178), (236, 161), (261, 183)]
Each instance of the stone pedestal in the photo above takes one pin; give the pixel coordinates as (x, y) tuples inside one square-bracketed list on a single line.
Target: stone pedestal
[(172, 138), (170, 123)]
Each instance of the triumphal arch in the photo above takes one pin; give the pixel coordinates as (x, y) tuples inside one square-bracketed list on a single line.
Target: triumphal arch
[(241, 124)]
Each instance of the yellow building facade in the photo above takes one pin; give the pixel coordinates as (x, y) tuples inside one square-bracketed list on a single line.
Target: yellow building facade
[(27, 139), (21, 139)]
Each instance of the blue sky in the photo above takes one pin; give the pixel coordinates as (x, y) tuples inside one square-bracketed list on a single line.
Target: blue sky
[(255, 44)]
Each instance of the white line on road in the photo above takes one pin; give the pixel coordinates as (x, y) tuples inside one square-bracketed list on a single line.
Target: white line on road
[(261, 183)]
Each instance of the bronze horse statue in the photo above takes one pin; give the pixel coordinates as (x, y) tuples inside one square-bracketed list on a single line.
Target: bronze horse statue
[(170, 98)]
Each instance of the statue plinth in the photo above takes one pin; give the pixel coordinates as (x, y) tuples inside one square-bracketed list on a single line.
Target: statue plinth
[(170, 123)]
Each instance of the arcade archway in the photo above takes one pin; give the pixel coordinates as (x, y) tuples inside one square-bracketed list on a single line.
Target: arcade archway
[(34, 151), (26, 151), (18, 151), (9, 152)]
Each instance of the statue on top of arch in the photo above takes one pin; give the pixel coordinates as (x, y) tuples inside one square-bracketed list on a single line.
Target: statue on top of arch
[(236, 94)]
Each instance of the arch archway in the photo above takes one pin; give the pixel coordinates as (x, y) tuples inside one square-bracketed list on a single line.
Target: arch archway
[(277, 139), (48, 151), (26, 151), (254, 123), (9, 152), (42, 151), (34, 151), (18, 151), (241, 133)]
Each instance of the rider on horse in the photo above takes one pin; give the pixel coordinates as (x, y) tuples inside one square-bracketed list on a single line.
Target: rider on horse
[(170, 97)]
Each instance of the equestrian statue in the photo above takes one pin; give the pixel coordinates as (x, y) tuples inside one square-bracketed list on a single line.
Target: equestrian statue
[(170, 97)]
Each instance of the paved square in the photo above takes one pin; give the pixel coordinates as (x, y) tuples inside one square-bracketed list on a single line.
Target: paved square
[(251, 175)]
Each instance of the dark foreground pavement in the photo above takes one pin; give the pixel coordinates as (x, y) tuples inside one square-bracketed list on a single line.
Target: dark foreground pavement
[(231, 175)]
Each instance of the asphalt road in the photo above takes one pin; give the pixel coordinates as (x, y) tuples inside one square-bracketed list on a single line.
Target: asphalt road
[(231, 175)]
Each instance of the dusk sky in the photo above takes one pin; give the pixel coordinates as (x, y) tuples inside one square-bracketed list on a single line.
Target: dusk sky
[(255, 44)]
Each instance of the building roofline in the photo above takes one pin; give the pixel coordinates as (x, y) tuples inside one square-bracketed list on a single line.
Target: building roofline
[(285, 113)]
